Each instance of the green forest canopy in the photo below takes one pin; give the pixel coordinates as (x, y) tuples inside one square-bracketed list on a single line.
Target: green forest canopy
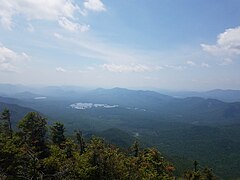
[(38, 152)]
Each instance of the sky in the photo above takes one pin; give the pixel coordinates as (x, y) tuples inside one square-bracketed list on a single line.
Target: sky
[(157, 44)]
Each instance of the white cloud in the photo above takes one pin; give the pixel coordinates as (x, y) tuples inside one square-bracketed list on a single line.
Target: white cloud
[(205, 65), (228, 43), (191, 63), (30, 28), (71, 26), (61, 11), (88, 69), (179, 68), (6, 22), (226, 61), (105, 51), (158, 68), (25, 56), (126, 68), (94, 5), (60, 69), (58, 36), (9, 60), (6, 12), (117, 59)]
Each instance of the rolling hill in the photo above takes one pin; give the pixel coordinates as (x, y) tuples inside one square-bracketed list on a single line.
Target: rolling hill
[(17, 112)]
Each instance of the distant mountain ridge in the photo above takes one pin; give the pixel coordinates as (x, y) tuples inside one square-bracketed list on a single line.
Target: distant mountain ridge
[(126, 97), (158, 106), (9, 90), (227, 95)]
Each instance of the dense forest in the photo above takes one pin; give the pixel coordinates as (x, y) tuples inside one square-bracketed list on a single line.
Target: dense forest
[(38, 151)]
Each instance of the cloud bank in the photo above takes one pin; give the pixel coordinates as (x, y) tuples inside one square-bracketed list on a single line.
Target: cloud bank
[(9, 60), (227, 45), (137, 68), (65, 12)]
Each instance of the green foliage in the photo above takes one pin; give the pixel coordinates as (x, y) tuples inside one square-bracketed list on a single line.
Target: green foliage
[(135, 148), (6, 126), (205, 174), (21, 157), (197, 174), (10, 154), (57, 133), (33, 130), (106, 160), (154, 166), (80, 141)]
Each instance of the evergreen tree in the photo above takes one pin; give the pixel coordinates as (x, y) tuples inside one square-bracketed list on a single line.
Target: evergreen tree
[(33, 130), (205, 174), (57, 134), (208, 174), (10, 155), (135, 149), (6, 122), (80, 141), (195, 165)]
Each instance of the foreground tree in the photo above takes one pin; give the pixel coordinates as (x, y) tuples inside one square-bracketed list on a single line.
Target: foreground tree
[(80, 141), (10, 155), (108, 161), (33, 130), (135, 148), (6, 123), (57, 134), (198, 174)]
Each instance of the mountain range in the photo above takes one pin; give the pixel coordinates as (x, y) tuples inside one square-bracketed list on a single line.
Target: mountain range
[(227, 95)]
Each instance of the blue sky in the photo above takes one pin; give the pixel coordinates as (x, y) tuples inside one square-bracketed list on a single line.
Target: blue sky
[(157, 44)]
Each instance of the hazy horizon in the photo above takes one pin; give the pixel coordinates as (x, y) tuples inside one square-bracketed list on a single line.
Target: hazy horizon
[(157, 45), (73, 87)]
